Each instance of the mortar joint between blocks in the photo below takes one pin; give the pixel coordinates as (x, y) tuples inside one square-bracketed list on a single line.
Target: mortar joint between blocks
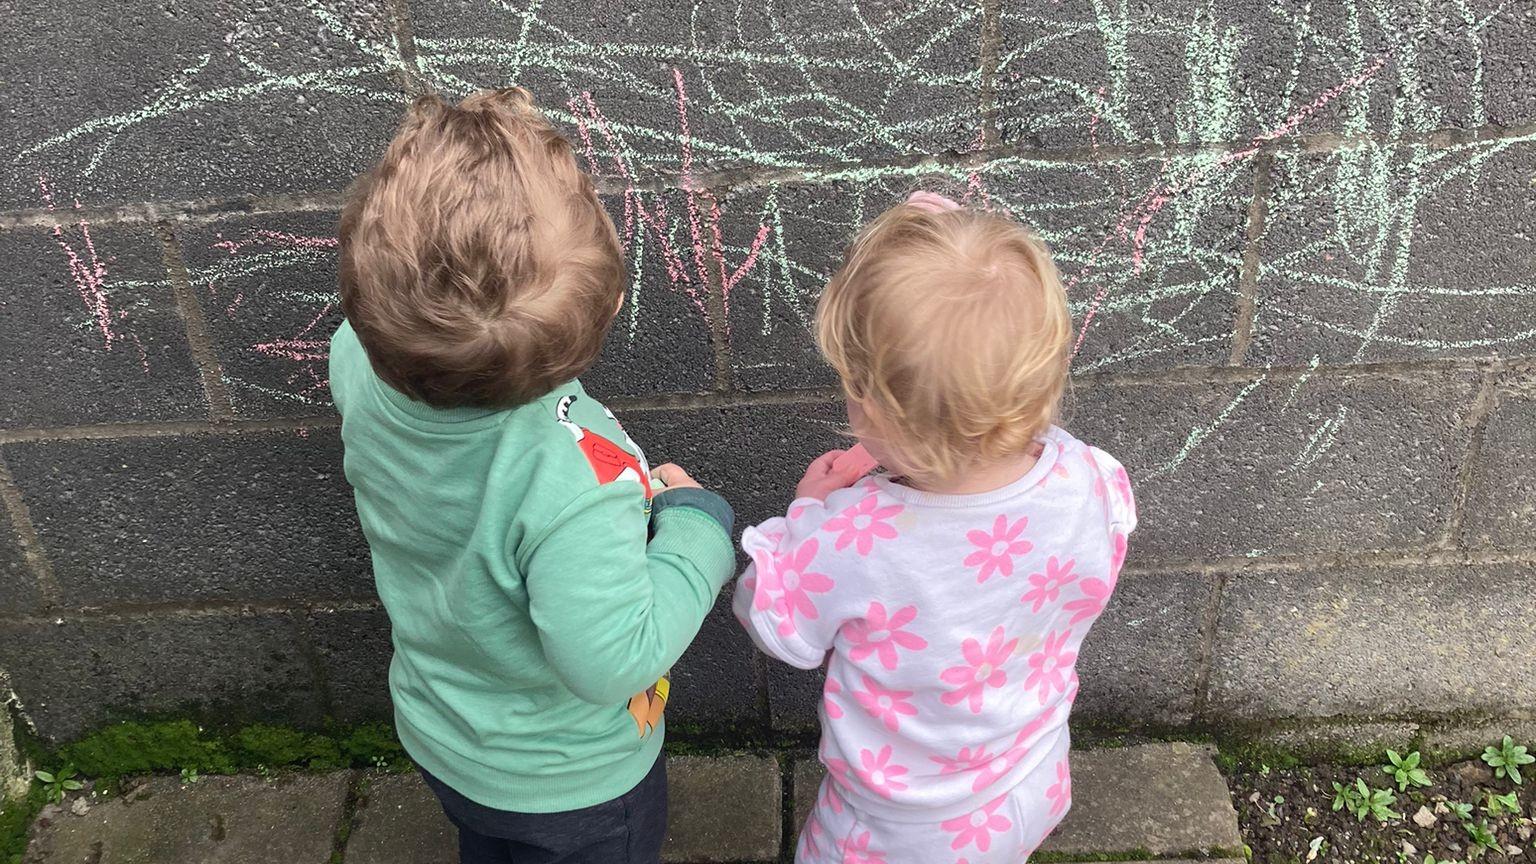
[(990, 45), (409, 73), (25, 532), (1471, 469), (195, 323), (1248, 276)]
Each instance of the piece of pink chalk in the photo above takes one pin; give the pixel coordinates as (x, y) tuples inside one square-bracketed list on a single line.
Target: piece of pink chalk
[(855, 462)]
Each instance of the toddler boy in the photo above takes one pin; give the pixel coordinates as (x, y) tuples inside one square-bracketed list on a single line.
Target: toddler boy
[(536, 589)]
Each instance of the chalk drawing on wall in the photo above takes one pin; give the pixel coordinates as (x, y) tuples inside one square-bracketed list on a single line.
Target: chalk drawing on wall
[(254, 272), (740, 150), (87, 271)]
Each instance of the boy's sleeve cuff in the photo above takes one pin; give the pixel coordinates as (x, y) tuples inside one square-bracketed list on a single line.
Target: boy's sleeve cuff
[(704, 500)]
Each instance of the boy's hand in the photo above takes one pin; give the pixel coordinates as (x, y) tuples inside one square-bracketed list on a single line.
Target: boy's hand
[(674, 477), (823, 478)]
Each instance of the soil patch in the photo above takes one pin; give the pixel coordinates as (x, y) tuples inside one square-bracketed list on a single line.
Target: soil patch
[(1288, 817)]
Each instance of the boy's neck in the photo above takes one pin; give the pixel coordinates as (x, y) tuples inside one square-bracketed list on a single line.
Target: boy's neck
[(988, 476)]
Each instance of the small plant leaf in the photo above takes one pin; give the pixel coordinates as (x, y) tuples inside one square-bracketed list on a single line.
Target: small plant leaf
[(45, 776), (72, 785)]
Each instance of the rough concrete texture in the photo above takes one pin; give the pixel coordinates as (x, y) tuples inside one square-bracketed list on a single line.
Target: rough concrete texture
[(353, 647), (228, 820), (18, 584), (77, 674), (1350, 742), (1179, 804), (399, 821), (1500, 507), (1157, 799), (91, 329), (251, 517), (661, 340), (722, 809), (1465, 742), (1246, 71), (1356, 641), (194, 99), (1319, 465), (1145, 651), (266, 285), (761, 89), (1325, 289), (1295, 261)]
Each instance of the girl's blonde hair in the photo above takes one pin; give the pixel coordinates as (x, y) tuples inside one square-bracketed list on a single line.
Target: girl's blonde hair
[(951, 329)]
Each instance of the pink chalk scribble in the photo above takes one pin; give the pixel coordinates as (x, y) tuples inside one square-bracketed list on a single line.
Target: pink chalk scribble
[(704, 213), (90, 278), (1161, 193), (975, 187), (269, 239), (306, 349)]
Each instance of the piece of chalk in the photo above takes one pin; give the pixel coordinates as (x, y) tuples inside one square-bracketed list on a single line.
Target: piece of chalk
[(855, 462)]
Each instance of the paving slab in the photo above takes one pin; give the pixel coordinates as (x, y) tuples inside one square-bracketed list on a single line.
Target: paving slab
[(722, 809), (1154, 799), (1319, 643), (1159, 799), (218, 820), (399, 822)]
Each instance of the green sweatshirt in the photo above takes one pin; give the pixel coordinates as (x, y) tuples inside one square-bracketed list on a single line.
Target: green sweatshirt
[(535, 594)]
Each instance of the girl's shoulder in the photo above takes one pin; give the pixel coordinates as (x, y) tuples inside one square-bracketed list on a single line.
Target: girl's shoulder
[(1104, 477)]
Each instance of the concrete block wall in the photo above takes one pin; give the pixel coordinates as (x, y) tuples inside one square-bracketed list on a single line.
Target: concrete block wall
[(1300, 244)]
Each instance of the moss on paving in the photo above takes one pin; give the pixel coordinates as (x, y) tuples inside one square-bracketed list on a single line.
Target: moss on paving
[(168, 746)]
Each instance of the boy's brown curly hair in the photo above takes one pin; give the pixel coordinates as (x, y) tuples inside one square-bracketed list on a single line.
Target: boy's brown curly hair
[(478, 267)]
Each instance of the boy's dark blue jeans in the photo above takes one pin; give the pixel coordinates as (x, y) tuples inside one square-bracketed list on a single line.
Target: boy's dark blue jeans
[(626, 830)]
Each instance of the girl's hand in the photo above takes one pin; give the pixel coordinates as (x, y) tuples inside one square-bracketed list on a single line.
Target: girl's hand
[(822, 479)]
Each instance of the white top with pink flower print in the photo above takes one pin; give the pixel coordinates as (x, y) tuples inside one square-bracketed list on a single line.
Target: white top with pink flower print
[(953, 623)]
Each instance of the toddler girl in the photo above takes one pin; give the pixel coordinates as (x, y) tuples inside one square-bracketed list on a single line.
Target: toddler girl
[(954, 591)]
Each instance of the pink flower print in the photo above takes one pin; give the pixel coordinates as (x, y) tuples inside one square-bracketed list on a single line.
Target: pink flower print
[(965, 760), (810, 836), (991, 769), (1098, 477), (887, 705), (879, 773), (1048, 585), (832, 688), (877, 634), (857, 851), (1050, 665), (977, 827), (984, 669), (790, 579), (1116, 557), (1122, 483), (1059, 469), (1071, 694), (861, 524), (1091, 604), (1061, 792), (837, 772), (796, 512), (996, 550)]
